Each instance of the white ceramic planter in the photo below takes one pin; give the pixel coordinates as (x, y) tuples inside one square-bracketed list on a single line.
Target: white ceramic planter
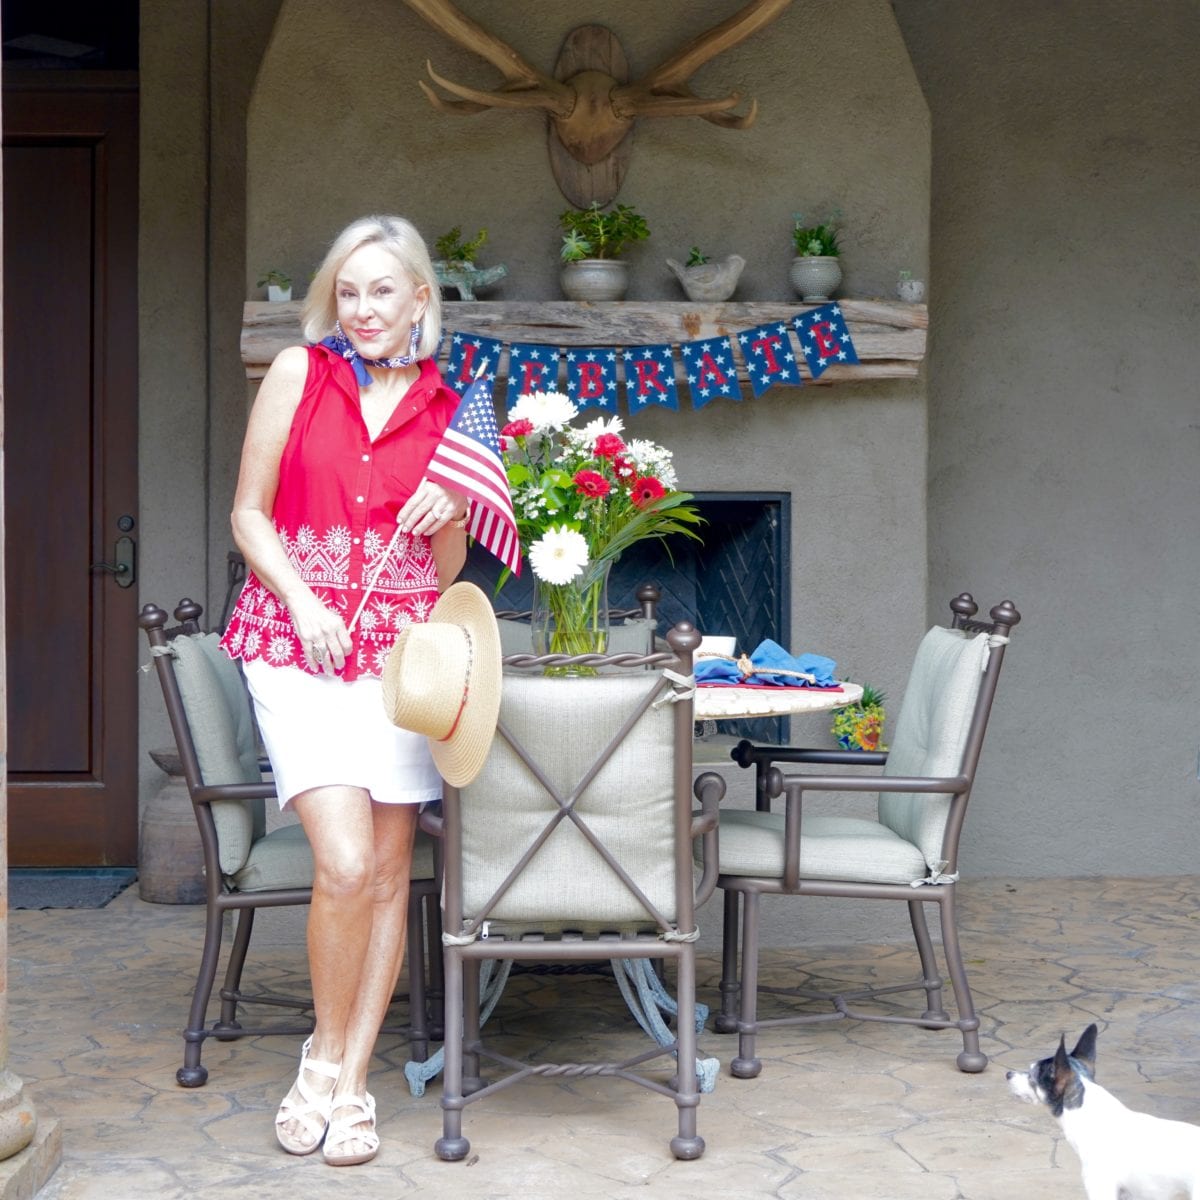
[(595, 279), (278, 294), (911, 291), (815, 277)]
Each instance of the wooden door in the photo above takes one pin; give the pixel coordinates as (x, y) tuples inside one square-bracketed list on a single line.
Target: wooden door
[(70, 419)]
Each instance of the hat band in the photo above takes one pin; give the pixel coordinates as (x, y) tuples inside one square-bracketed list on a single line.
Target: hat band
[(462, 704)]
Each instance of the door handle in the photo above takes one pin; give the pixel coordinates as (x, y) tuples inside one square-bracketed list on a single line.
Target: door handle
[(124, 567)]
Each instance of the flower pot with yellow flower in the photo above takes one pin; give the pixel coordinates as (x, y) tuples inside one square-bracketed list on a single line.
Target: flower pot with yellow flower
[(860, 726), (582, 496)]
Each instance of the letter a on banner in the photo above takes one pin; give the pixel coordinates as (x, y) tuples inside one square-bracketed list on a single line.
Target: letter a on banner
[(710, 370), (532, 369), (592, 377), (650, 377)]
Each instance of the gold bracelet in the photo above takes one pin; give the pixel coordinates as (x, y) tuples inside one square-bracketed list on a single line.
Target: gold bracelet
[(461, 523)]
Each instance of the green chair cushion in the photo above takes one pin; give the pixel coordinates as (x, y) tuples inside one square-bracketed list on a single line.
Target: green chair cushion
[(222, 728), (931, 733)]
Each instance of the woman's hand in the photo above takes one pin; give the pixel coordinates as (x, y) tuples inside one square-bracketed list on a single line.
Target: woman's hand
[(322, 633), (430, 508)]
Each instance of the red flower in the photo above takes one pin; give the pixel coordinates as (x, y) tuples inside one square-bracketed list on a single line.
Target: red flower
[(592, 483), (608, 445), (646, 490), (623, 467), (516, 429)]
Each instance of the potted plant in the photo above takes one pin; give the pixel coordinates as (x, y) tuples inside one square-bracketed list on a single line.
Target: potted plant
[(860, 726), (593, 241), (816, 271), (704, 280), (455, 265), (278, 285)]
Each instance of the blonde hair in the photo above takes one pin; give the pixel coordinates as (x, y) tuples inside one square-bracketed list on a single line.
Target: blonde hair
[(318, 315)]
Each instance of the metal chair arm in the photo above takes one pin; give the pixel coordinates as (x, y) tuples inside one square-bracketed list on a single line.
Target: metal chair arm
[(709, 789)]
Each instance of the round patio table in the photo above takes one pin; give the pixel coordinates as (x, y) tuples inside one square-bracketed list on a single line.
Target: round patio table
[(731, 703)]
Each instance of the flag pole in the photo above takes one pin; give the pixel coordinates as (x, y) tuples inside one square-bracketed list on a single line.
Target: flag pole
[(387, 553)]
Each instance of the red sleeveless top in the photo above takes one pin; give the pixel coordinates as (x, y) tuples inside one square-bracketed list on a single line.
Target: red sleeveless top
[(335, 513)]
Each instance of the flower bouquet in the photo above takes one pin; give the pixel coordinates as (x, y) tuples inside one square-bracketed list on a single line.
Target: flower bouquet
[(581, 497)]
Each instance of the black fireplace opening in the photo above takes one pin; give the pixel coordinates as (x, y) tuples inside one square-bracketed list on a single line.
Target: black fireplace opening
[(735, 581)]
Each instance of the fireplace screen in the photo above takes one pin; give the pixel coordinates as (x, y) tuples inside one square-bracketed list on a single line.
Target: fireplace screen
[(735, 582)]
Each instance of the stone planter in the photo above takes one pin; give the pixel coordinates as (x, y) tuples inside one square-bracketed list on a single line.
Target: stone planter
[(815, 277), (595, 279), (710, 282)]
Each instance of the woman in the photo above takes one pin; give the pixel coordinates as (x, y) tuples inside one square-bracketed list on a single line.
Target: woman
[(347, 544)]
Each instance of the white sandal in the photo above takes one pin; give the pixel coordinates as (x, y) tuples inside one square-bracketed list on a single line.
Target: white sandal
[(313, 1108), (343, 1129)]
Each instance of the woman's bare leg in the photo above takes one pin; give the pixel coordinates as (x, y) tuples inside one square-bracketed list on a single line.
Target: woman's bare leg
[(357, 924)]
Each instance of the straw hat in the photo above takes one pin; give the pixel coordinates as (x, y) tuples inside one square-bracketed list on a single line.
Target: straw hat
[(442, 679)]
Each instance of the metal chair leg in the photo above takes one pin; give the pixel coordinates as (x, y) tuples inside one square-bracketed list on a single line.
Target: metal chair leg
[(452, 1146), (934, 1010), (972, 1059), (726, 1021), (746, 1065), (192, 1074)]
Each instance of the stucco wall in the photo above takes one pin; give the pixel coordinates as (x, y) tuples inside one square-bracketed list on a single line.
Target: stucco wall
[(1064, 414)]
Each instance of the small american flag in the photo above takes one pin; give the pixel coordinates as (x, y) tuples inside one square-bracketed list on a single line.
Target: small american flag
[(468, 460)]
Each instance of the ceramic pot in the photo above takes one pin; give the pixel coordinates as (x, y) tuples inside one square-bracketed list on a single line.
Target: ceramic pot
[(815, 276), (595, 279), (911, 291), (277, 294)]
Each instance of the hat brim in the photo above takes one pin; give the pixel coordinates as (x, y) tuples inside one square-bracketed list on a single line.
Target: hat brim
[(460, 758)]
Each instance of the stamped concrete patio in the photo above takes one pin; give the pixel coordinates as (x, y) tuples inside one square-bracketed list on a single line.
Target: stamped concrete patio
[(842, 1109)]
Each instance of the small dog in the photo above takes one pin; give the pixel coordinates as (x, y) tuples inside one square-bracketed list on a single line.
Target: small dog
[(1125, 1155)]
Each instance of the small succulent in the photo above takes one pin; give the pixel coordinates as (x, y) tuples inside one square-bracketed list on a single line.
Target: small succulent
[(593, 233), (696, 257), (815, 240), (451, 247), (275, 279)]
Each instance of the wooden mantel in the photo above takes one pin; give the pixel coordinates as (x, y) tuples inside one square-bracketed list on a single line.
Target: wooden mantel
[(889, 336)]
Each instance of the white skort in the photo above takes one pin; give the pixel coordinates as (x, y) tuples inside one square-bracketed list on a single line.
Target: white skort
[(320, 732)]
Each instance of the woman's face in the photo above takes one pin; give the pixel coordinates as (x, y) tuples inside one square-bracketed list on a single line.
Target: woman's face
[(377, 302)]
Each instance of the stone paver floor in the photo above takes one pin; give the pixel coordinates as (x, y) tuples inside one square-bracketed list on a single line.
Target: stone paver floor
[(842, 1109)]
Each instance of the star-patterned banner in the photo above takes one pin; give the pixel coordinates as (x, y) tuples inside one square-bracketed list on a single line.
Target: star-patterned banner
[(649, 372)]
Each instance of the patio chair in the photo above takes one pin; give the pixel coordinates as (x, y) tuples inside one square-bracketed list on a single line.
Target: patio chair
[(908, 853), (574, 844), (245, 867)]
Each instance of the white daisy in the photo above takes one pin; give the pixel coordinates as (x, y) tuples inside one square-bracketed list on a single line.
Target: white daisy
[(559, 555), (546, 411), (593, 429)]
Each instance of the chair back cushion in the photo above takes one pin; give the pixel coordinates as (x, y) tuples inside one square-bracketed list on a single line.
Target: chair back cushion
[(931, 733), (222, 727), (565, 724)]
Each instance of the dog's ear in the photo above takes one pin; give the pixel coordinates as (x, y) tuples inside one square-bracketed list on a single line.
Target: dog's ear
[(1064, 1073), (1085, 1049)]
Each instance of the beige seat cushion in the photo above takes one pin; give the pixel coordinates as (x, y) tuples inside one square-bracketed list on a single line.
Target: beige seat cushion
[(752, 844)]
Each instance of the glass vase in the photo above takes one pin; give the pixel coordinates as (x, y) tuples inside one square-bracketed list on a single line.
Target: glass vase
[(572, 618)]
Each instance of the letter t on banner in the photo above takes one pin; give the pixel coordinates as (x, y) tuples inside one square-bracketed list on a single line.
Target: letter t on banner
[(467, 351), (767, 350), (532, 369), (650, 377), (711, 371)]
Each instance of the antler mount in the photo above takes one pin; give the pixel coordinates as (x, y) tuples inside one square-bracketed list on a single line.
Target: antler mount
[(590, 103)]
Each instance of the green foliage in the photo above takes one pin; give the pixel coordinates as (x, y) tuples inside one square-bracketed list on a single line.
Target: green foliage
[(696, 258), (871, 697), (453, 249), (593, 233), (814, 240), (275, 279)]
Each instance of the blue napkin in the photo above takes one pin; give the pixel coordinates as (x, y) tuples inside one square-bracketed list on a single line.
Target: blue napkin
[(768, 654)]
